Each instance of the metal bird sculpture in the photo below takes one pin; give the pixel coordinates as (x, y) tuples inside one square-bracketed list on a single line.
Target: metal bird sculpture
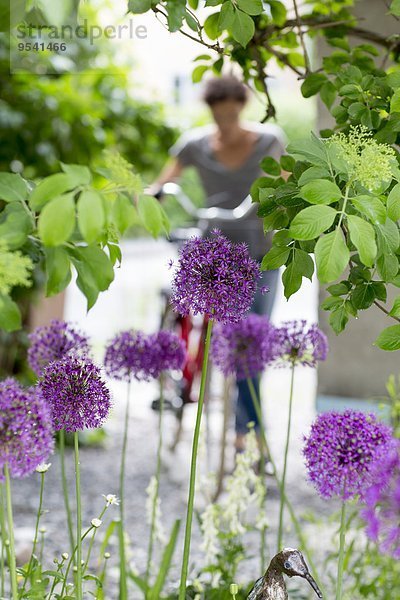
[(272, 585)]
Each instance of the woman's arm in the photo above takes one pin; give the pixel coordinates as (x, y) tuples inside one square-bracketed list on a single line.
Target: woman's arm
[(170, 172)]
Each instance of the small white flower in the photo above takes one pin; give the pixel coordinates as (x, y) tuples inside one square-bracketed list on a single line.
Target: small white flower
[(65, 555), (107, 555), (111, 499), (96, 523), (43, 468)]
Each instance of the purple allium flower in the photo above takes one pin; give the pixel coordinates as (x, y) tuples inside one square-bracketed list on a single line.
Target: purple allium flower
[(168, 352), (76, 393), (299, 343), (54, 341), (340, 450), (382, 499), (26, 431), (129, 355), (243, 348), (214, 277)]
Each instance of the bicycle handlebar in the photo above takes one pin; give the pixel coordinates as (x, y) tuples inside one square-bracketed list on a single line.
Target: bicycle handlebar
[(212, 213)]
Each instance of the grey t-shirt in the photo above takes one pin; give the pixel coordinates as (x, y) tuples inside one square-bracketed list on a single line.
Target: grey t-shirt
[(226, 187)]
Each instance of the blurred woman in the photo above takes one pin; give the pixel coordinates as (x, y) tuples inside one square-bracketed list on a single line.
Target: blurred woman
[(226, 156)]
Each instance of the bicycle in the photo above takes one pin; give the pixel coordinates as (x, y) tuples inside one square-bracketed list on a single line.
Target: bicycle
[(189, 327)]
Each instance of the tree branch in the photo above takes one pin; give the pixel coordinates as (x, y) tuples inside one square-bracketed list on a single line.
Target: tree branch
[(383, 309), (302, 41)]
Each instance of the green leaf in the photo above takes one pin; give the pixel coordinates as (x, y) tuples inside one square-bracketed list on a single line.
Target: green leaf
[(388, 237), (15, 225), (78, 173), (57, 220), (311, 222), (155, 592), (251, 7), (242, 28), (363, 296), (91, 218), (49, 188), (95, 271), (371, 207), (270, 165), (58, 270), (198, 73), (312, 84), (310, 149), (152, 215), (139, 6), (211, 26), (332, 256), (176, 13), (362, 235), (301, 266), (275, 258), (393, 203), (313, 173), (395, 310), (287, 163), (328, 93), (338, 319), (395, 102), (278, 12), (226, 16), (388, 266), (12, 187), (389, 338), (339, 289), (10, 316), (321, 191), (124, 214)]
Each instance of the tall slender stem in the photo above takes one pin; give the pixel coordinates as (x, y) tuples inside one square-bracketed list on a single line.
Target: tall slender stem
[(123, 585), (35, 539), (3, 540), (285, 462), (295, 521), (263, 454), (156, 491), (64, 483), (11, 549), (339, 585), (192, 482), (78, 591)]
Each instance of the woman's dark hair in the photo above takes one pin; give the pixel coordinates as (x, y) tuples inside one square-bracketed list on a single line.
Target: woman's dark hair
[(223, 88)]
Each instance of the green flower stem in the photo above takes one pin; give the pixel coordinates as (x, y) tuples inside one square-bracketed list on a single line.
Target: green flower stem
[(55, 579), (78, 590), (339, 585), (35, 539), (3, 541), (11, 549), (192, 483), (156, 491), (67, 570), (123, 584), (91, 543), (285, 462), (65, 490), (263, 453), (293, 517)]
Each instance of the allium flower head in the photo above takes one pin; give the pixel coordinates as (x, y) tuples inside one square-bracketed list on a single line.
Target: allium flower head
[(168, 352), (53, 342), (299, 343), (243, 348), (129, 355), (77, 394), (340, 450), (26, 432), (214, 277), (382, 499)]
